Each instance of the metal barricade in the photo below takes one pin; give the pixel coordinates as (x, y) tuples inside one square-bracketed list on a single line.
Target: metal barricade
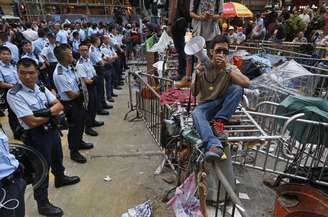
[(287, 156), (145, 100)]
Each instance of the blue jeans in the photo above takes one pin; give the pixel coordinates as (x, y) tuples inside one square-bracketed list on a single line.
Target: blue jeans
[(221, 108)]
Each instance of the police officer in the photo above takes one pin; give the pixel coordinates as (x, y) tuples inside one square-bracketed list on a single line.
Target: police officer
[(12, 185), (99, 62), (68, 86), (4, 40), (8, 78), (28, 53), (75, 45), (39, 44), (35, 106), (108, 51), (86, 71), (48, 53)]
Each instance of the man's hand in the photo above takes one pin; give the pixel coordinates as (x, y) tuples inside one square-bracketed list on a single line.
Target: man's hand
[(221, 61), (208, 16), (200, 68)]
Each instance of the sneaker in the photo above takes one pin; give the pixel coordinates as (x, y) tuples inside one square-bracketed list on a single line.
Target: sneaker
[(215, 153), (218, 130)]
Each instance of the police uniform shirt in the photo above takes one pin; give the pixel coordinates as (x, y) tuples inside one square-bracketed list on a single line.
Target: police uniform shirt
[(82, 35), (113, 39), (8, 73), (65, 80), (85, 68), (95, 55), (8, 162), (62, 37), (34, 57), (48, 52), (75, 45), (14, 51), (24, 100), (39, 44)]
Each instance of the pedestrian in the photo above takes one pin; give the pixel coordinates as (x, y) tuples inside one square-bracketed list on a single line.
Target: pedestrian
[(12, 185), (48, 53), (27, 52), (8, 79), (219, 90), (98, 62), (87, 72), (108, 51), (71, 94), (13, 48), (205, 17), (35, 107)]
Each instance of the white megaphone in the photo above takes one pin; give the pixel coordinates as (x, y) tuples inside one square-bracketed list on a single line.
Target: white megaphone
[(196, 47)]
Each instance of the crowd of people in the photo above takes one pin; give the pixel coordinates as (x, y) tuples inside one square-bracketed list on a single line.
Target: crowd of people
[(52, 70), (53, 77)]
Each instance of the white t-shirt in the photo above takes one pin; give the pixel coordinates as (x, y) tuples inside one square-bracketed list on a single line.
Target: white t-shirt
[(306, 18)]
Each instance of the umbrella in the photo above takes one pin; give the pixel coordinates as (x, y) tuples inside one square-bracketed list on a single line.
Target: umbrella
[(232, 9)]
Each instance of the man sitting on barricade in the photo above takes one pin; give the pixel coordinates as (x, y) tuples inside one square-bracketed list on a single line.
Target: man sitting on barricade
[(219, 89)]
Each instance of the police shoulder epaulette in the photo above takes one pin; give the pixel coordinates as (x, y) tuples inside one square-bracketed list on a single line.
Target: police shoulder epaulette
[(15, 89), (47, 44), (60, 70)]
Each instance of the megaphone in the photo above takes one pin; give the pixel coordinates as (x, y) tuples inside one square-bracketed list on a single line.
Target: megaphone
[(195, 47)]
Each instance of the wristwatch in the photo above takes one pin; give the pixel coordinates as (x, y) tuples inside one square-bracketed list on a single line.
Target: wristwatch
[(229, 69)]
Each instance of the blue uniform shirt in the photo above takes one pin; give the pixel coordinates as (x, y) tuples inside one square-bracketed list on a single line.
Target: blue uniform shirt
[(62, 37), (82, 34), (39, 60), (8, 73), (14, 50), (8, 162), (23, 101), (65, 80), (75, 45), (39, 44), (95, 55), (48, 53), (85, 68)]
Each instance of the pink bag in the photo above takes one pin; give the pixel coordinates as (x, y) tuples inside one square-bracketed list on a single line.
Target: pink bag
[(184, 203)]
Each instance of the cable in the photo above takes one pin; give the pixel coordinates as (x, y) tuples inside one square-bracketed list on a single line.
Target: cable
[(3, 202)]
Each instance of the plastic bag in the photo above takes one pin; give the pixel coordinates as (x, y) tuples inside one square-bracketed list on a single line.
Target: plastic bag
[(184, 203)]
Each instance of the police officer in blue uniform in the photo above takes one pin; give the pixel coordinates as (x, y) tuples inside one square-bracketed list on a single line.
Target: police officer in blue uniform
[(12, 185), (39, 44), (108, 51), (4, 40), (28, 53), (87, 72), (68, 85), (99, 62), (36, 107), (48, 53), (8, 78)]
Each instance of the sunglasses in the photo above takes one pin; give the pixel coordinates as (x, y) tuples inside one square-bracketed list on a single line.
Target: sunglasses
[(221, 50)]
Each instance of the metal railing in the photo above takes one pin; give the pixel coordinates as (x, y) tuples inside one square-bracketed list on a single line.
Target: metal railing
[(146, 89)]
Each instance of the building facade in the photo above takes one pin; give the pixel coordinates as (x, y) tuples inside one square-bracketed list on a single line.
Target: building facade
[(73, 9)]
